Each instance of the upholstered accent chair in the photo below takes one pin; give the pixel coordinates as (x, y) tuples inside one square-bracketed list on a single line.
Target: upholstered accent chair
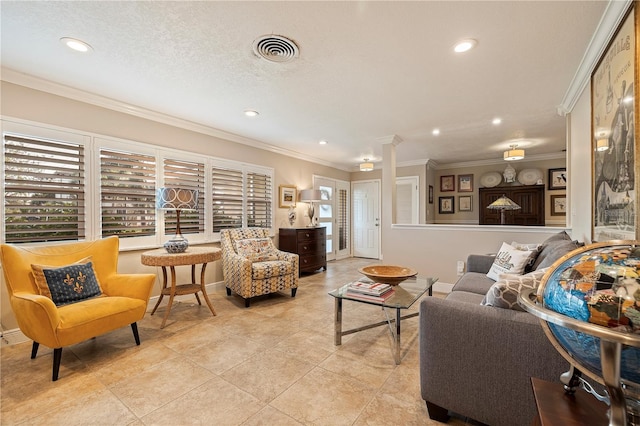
[(253, 266), (32, 276)]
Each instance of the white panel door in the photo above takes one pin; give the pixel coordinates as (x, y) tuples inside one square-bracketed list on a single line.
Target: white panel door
[(366, 219)]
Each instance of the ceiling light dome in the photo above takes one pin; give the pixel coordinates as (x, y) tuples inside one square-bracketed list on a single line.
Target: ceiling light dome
[(514, 154), (465, 45), (366, 166)]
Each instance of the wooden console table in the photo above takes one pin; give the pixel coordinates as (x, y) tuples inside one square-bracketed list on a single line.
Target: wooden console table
[(193, 256), (556, 408)]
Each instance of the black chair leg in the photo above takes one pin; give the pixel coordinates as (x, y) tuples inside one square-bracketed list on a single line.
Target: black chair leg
[(134, 327), (293, 292), (247, 302), (437, 413), (57, 357), (228, 291), (34, 349)]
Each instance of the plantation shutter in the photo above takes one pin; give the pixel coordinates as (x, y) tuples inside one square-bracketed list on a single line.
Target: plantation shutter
[(186, 175), (44, 193), (227, 197), (127, 193), (258, 200)]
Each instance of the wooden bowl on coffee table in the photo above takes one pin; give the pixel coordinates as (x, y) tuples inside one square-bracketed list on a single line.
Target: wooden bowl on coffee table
[(388, 274)]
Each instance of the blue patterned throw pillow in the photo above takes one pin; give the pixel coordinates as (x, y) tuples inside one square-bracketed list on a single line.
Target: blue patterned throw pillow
[(67, 284)]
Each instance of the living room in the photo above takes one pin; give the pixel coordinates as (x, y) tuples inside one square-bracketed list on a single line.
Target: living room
[(40, 108)]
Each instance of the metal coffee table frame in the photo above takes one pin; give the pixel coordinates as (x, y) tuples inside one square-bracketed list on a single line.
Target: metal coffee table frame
[(406, 294)]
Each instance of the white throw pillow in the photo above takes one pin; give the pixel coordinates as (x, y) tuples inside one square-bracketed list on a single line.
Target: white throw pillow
[(509, 260)]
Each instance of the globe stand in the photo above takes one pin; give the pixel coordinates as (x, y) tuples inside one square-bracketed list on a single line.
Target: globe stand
[(610, 352)]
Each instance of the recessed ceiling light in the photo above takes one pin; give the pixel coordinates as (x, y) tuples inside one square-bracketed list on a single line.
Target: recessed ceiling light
[(75, 44), (323, 142), (251, 113), (435, 132), (496, 121), (465, 45)]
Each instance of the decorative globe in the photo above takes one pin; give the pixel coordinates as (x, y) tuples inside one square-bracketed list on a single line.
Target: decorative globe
[(596, 291)]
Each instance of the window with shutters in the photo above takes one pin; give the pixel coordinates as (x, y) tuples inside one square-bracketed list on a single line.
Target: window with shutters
[(44, 193), (127, 193), (241, 197), (186, 175)]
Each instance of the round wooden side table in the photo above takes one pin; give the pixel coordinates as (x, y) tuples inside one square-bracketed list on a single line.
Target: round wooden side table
[(193, 256)]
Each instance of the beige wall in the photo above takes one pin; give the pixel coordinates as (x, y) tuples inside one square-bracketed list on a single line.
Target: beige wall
[(477, 172), (22, 103)]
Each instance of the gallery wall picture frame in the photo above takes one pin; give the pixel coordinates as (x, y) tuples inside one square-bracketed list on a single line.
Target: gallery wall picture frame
[(614, 122), (446, 205), (288, 195), (465, 183), (557, 179), (430, 194), (558, 205), (465, 203), (447, 183)]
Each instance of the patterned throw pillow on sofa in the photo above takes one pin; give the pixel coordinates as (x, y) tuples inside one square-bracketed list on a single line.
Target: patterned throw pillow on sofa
[(256, 249), (504, 293), (509, 260), (67, 284)]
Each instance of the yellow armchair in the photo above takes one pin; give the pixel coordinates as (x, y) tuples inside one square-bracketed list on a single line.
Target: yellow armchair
[(123, 300)]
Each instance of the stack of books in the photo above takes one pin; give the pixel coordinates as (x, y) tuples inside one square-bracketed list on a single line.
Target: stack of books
[(375, 292)]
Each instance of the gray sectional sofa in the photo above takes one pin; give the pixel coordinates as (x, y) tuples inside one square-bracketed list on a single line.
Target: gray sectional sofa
[(477, 360)]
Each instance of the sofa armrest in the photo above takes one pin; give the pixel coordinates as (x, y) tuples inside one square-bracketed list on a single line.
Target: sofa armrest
[(477, 360), (480, 262), (136, 286)]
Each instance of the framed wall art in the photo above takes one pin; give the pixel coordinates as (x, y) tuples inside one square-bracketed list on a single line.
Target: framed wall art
[(557, 179), (558, 205), (446, 205), (465, 203), (614, 141), (287, 195), (447, 183), (465, 183), (430, 194)]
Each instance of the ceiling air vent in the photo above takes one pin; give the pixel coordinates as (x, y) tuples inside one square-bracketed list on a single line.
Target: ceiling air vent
[(275, 48)]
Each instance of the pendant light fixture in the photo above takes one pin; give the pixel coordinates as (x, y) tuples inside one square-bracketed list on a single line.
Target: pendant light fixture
[(366, 166), (514, 154)]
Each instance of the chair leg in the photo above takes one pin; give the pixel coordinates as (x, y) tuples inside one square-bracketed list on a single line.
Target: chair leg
[(228, 291), (437, 413), (247, 302), (293, 292), (57, 357), (34, 349), (134, 327)]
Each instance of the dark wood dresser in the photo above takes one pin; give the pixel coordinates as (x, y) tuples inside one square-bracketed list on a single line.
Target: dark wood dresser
[(308, 243), (529, 198)]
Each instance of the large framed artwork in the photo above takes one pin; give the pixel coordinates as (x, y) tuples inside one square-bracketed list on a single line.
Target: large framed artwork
[(614, 139)]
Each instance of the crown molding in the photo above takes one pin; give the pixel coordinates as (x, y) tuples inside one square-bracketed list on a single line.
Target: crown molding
[(478, 163), (611, 18), (32, 82)]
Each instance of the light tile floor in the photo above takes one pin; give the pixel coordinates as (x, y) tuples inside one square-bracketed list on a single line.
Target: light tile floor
[(272, 364)]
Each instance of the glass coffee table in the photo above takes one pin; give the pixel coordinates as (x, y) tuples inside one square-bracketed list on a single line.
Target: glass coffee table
[(405, 294)]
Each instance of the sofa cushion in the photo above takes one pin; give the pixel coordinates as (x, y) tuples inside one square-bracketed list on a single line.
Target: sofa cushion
[(256, 249), (465, 296), (504, 293), (509, 260), (270, 269), (548, 246), (473, 282), (67, 284)]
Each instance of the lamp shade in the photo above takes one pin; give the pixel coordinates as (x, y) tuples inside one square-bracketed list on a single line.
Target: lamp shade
[(602, 144), (366, 167), (176, 199), (310, 195), (503, 203), (514, 154)]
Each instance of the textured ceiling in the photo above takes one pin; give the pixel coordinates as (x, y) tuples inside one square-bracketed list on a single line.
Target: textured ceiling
[(366, 70)]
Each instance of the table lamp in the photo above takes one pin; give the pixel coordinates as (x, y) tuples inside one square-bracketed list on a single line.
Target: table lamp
[(177, 199), (503, 203), (310, 196)]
